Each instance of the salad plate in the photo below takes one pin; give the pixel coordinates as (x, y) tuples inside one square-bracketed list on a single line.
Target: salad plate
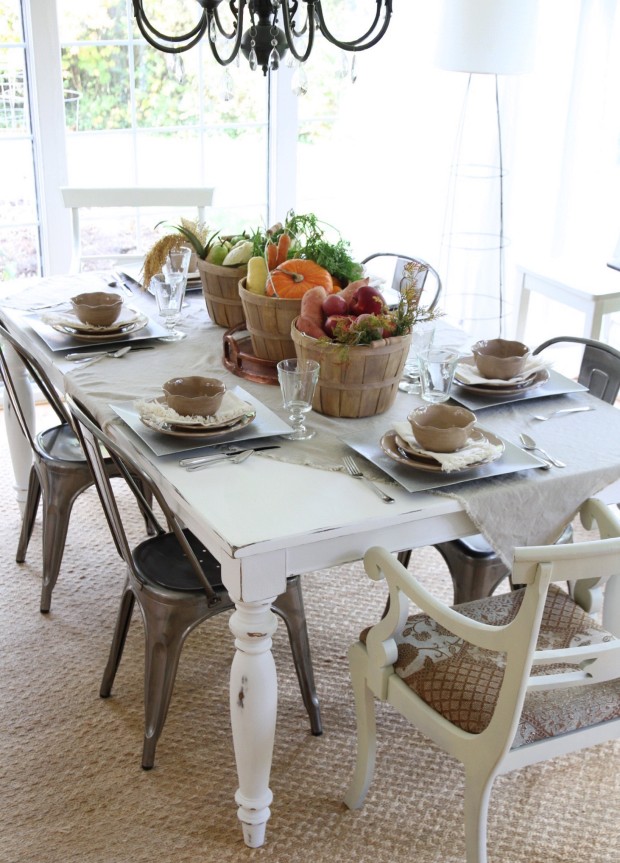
[(198, 431), (101, 333), (407, 453)]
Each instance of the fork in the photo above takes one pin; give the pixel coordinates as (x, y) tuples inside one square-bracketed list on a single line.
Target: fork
[(354, 471), (543, 419)]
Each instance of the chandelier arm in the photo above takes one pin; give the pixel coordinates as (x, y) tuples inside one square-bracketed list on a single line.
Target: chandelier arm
[(151, 34), (293, 12), (354, 44), (290, 32), (220, 26), (225, 61)]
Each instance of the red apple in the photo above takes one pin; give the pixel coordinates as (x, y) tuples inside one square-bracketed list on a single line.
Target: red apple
[(389, 327), (341, 321), (366, 301), (334, 305)]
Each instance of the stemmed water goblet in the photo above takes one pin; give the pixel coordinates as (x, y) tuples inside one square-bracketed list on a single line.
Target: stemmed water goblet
[(169, 289), (298, 379)]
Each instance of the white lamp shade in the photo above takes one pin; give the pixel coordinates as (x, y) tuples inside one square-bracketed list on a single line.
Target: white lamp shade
[(487, 36)]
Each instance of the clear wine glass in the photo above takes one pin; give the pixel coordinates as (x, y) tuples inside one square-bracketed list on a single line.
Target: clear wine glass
[(169, 289), (298, 379)]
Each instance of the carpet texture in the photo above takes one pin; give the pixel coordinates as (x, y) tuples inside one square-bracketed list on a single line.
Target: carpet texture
[(71, 786)]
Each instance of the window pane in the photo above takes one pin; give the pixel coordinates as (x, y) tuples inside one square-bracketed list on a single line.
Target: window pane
[(79, 21), (10, 15), (19, 251), (96, 77), (13, 93)]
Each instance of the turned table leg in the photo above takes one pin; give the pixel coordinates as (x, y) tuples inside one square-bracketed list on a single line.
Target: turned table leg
[(19, 448), (253, 707)]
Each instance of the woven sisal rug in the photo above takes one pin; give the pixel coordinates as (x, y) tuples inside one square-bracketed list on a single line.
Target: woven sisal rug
[(71, 786)]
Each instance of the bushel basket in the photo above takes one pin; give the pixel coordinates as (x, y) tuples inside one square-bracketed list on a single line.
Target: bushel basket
[(354, 381), (268, 321), (220, 288)]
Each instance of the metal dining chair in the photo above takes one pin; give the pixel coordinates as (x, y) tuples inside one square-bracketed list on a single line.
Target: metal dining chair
[(59, 472), (390, 267), (474, 567), (177, 584)]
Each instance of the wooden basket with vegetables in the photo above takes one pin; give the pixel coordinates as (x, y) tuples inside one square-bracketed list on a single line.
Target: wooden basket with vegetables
[(296, 259), (220, 260), (360, 344)]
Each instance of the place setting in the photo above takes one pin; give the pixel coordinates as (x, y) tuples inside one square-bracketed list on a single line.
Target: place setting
[(92, 318), (196, 411), (500, 371)]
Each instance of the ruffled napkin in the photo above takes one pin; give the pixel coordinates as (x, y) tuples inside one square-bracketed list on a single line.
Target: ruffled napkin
[(474, 451), (68, 319), (157, 412), (467, 373)]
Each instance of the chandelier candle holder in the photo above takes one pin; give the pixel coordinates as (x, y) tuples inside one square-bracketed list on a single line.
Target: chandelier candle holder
[(263, 42)]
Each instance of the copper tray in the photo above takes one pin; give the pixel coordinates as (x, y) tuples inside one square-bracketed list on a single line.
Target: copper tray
[(239, 359)]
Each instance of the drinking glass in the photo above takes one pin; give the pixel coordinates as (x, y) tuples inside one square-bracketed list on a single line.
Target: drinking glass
[(298, 379), (177, 261), (422, 336), (437, 367), (169, 290)]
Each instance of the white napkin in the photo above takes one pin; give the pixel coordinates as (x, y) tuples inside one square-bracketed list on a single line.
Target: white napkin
[(474, 451), (232, 408), (469, 374), (68, 319)]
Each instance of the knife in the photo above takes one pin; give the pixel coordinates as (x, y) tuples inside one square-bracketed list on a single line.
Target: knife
[(231, 451), (83, 356), (125, 281)]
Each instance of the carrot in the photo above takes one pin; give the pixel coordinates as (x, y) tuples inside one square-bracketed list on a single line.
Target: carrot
[(284, 244), (308, 326), (311, 306), (272, 256)]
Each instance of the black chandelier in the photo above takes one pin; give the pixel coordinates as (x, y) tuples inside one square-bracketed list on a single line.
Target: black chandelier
[(263, 42)]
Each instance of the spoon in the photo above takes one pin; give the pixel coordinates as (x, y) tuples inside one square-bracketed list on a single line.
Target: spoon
[(529, 443), (235, 459)]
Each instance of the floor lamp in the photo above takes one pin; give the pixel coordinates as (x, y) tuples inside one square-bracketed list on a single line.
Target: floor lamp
[(485, 40)]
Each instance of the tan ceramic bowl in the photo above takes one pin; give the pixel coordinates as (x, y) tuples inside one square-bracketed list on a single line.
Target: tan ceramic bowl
[(194, 396), (500, 358), (441, 428), (98, 308)]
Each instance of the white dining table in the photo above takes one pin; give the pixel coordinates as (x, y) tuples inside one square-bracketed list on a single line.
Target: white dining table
[(294, 510)]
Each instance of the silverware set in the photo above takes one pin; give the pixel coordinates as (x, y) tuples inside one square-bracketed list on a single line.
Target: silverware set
[(233, 454), (528, 443), (90, 357)]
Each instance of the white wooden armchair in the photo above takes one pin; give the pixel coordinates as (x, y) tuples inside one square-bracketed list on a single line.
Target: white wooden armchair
[(500, 682)]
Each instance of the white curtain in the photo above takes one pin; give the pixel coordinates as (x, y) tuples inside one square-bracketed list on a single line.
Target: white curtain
[(567, 157)]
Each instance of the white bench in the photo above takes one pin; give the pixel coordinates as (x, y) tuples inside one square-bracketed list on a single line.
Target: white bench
[(76, 199)]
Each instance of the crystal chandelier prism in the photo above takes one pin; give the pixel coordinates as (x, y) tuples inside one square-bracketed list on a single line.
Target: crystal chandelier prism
[(262, 30)]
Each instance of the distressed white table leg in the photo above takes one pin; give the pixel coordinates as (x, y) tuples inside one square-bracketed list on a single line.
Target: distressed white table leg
[(253, 708), (19, 448)]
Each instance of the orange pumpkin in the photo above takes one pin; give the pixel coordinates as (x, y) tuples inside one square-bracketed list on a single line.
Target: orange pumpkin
[(293, 278)]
